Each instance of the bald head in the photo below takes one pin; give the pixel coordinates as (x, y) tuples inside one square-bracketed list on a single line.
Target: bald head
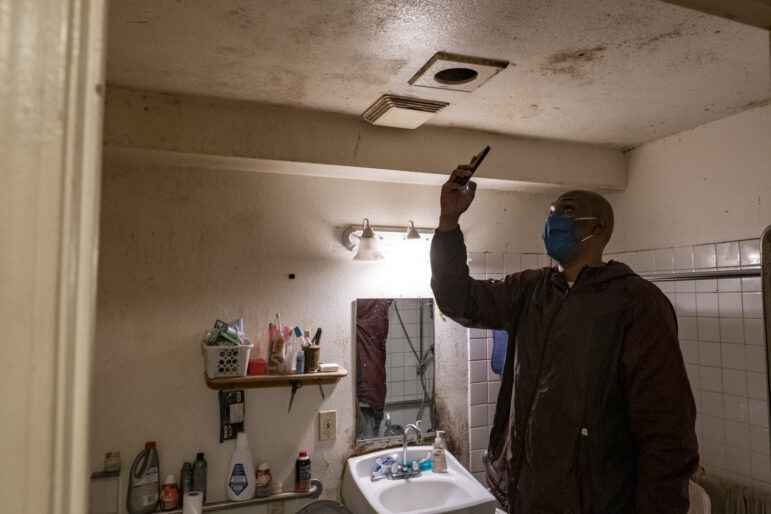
[(581, 203)]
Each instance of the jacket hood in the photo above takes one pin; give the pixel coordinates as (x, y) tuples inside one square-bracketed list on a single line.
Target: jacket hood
[(612, 270)]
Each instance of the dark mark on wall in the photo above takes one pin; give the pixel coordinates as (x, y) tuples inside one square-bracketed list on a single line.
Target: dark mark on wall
[(140, 22)]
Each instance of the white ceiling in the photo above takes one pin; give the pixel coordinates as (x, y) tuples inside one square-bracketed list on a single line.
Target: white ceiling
[(616, 73)]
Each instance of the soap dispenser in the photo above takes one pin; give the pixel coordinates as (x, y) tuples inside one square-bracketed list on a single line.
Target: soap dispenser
[(438, 458), (240, 480)]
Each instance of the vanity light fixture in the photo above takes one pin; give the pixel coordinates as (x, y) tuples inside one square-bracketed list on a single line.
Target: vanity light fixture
[(368, 247), (386, 239)]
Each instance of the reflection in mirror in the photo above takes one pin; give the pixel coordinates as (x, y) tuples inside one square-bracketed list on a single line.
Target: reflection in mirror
[(394, 365)]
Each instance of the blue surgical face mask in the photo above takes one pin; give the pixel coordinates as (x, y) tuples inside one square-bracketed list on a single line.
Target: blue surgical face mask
[(559, 238)]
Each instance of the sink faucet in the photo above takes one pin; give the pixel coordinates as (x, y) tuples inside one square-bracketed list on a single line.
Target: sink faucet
[(405, 436)]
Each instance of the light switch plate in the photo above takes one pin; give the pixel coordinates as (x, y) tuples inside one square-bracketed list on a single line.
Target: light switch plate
[(327, 425)]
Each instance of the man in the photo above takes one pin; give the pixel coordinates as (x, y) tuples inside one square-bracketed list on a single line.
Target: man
[(595, 413)]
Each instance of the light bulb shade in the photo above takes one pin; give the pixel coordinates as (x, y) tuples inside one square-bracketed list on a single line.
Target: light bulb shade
[(412, 232), (368, 250)]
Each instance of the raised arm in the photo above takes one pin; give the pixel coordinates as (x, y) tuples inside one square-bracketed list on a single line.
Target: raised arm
[(472, 303)]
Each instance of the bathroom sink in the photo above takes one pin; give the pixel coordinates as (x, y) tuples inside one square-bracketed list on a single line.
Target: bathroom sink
[(455, 491)]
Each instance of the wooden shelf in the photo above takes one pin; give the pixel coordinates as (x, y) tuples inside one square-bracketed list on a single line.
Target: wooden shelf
[(252, 381)]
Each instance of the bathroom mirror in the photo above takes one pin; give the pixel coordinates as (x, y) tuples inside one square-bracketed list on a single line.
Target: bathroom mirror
[(394, 354)]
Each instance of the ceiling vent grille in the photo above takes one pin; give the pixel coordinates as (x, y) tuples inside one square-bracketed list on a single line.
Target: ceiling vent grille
[(402, 111)]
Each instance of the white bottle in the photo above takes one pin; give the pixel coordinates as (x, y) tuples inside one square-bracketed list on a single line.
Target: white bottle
[(240, 479)]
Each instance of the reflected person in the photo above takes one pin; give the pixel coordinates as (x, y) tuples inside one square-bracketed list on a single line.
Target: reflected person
[(595, 412), (371, 337)]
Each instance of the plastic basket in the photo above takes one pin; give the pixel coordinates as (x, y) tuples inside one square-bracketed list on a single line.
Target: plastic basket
[(226, 361)]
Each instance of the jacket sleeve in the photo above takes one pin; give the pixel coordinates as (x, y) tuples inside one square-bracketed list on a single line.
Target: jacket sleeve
[(472, 303), (661, 409)]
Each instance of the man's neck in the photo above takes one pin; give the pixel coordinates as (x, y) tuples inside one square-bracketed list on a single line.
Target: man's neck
[(573, 269)]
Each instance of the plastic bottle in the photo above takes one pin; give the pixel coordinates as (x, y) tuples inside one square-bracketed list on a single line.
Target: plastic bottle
[(144, 482), (438, 458), (185, 479), (170, 493), (240, 479), (302, 472), (199, 475)]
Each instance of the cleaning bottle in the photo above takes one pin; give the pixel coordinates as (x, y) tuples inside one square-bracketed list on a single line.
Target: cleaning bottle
[(240, 479), (302, 473), (438, 458), (144, 481), (199, 475)]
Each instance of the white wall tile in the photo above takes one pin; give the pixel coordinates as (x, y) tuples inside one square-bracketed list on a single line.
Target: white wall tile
[(490, 413), (753, 305), (712, 404), (730, 305), (645, 261), (687, 327), (630, 259), (709, 329), (492, 391), (477, 464), (478, 438), (727, 254), (756, 358), (750, 252), (511, 263), (758, 412), (737, 434), (478, 333), (693, 377), (706, 286), (478, 393), (494, 276), (756, 385), (713, 454), (732, 330), (663, 260), (685, 286), (690, 351), (491, 376), (759, 440), (761, 466), (477, 371), (735, 382), (736, 408), (754, 333), (711, 379), (704, 256), (544, 261), (709, 354), (729, 285), (529, 261), (713, 429), (734, 356), (738, 461), (665, 287), (706, 304), (477, 349), (752, 284), (478, 416), (478, 262), (685, 304), (683, 257), (481, 477), (494, 262)]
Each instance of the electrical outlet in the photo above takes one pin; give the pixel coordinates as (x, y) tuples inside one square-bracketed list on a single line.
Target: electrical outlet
[(327, 425)]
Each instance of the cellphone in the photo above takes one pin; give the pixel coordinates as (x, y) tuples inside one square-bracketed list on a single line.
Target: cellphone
[(475, 162)]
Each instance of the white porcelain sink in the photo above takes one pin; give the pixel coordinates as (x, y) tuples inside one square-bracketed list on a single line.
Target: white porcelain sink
[(456, 491)]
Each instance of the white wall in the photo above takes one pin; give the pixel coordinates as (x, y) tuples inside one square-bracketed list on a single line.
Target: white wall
[(709, 184), (182, 247)]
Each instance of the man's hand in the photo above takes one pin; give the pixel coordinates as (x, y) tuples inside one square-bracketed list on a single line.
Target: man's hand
[(455, 198)]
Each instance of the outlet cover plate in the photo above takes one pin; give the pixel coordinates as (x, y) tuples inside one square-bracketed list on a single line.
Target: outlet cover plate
[(327, 425)]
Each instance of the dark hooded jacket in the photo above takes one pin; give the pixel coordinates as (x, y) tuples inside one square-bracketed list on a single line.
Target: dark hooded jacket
[(595, 412)]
